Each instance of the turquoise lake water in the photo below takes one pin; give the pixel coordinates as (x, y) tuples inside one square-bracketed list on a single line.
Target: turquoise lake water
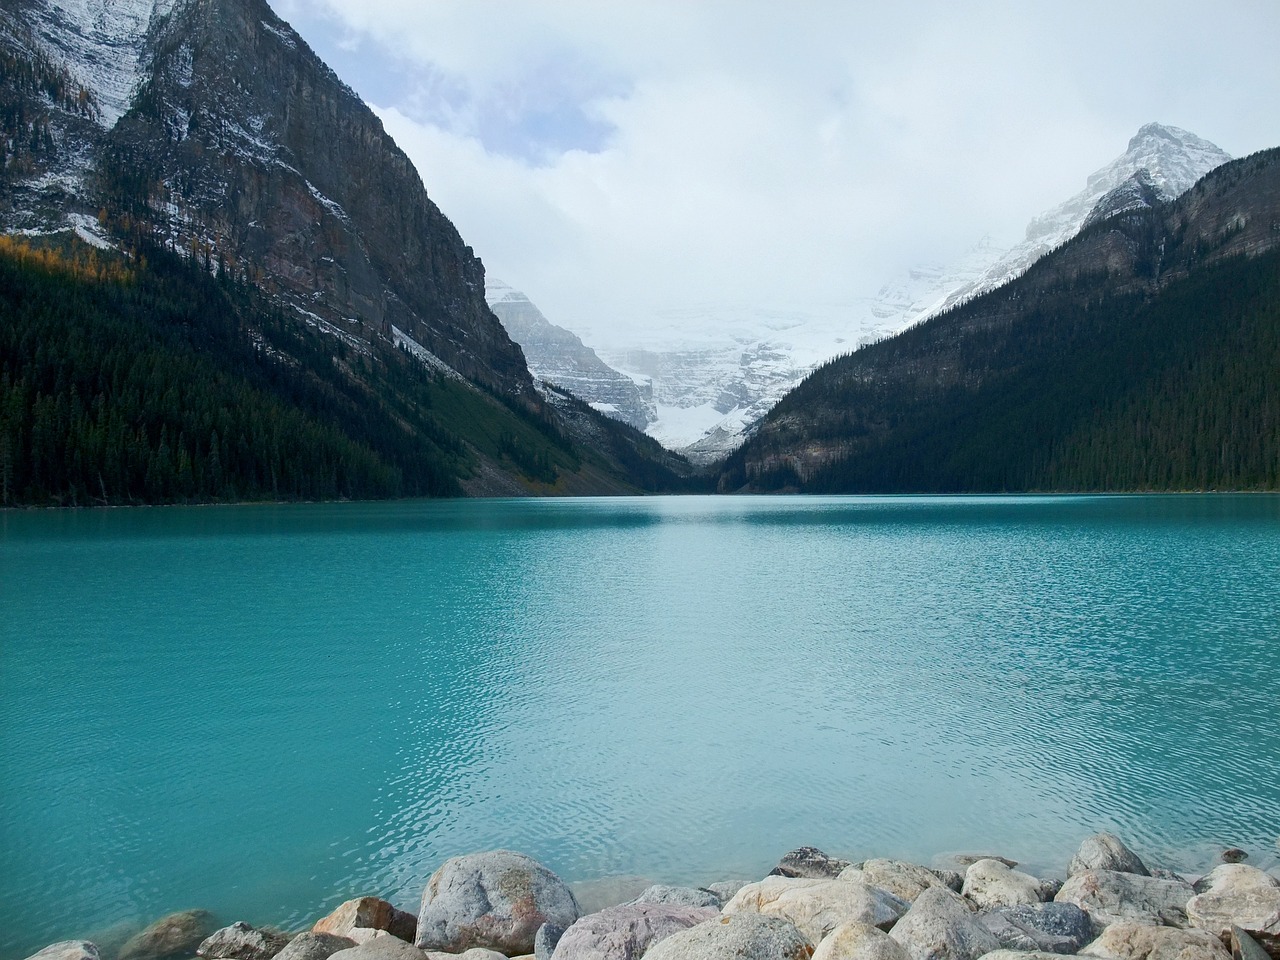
[(266, 710)]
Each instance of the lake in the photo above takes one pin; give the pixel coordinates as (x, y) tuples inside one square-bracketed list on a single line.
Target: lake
[(265, 710)]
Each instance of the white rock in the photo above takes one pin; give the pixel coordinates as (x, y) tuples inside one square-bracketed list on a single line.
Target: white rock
[(1129, 940), (859, 941), (989, 883), (1109, 896), (942, 925), (817, 907), (904, 880)]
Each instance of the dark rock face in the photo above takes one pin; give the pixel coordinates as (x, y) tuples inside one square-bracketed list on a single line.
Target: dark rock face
[(809, 862), (178, 934), (1045, 927), (1139, 192), (240, 941)]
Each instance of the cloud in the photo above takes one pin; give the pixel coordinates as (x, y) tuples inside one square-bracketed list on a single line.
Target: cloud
[(620, 160)]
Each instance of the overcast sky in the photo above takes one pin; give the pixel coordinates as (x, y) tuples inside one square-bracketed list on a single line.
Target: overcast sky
[(618, 160)]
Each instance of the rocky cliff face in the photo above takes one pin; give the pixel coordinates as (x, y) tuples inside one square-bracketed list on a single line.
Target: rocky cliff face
[(557, 356), (219, 132)]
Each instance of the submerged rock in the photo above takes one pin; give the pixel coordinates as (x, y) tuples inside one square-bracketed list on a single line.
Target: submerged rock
[(904, 880), (178, 934), (1109, 896), (809, 862), (497, 899), (989, 883), (741, 936), (68, 950), (242, 942), (1106, 851), (1128, 940), (859, 941), (1040, 927), (367, 913), (628, 930), (942, 925), (817, 907)]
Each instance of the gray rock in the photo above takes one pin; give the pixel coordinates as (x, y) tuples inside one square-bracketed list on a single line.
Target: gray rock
[(367, 913), (725, 889), (685, 896), (177, 935), (1105, 851), (1244, 947), (1040, 927), (741, 936), (809, 862), (68, 950), (242, 942), (1049, 887), (497, 900), (1021, 955), (942, 925), (1234, 855), (1128, 940), (545, 940), (989, 883), (954, 879), (1109, 896), (380, 948), (904, 880), (859, 941), (1237, 895), (628, 930), (817, 907), (475, 953), (314, 946), (967, 860)]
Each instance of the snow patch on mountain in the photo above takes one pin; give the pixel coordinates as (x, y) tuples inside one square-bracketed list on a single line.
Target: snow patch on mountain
[(101, 42)]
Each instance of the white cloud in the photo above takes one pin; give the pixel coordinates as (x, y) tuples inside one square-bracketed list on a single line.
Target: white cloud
[(616, 159)]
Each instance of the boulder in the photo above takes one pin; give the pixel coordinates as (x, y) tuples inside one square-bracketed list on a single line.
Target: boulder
[(177, 935), (475, 953), (1244, 947), (1040, 927), (989, 883), (242, 942), (904, 880), (859, 941), (626, 931), (725, 889), (1128, 940), (684, 896), (380, 948), (367, 913), (68, 950), (545, 940), (497, 900), (1105, 851), (967, 860), (314, 946), (942, 925), (817, 907), (1021, 955), (741, 936), (809, 862), (1109, 896), (1235, 894)]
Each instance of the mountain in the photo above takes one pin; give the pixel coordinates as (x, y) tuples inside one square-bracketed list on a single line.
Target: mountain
[(557, 356), (716, 369), (1139, 355), (208, 130)]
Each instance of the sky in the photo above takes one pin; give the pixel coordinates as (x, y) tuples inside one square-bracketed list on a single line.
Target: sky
[(624, 161)]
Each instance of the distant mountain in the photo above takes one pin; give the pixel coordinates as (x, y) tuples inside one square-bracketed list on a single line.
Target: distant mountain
[(1139, 355), (559, 357), (207, 129), (716, 369)]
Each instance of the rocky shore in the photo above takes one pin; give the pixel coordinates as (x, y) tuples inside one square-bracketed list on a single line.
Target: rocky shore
[(499, 904)]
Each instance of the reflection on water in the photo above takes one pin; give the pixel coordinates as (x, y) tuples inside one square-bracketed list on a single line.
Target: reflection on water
[(265, 710)]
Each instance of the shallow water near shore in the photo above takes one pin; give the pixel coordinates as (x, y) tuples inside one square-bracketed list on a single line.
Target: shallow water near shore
[(265, 710)]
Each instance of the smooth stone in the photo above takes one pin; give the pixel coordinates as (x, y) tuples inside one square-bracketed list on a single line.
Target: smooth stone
[(740, 936), (627, 930), (684, 896), (1106, 851), (989, 883), (942, 925), (1040, 927), (545, 940), (809, 862), (314, 946), (906, 881), (380, 948), (1129, 940), (1109, 896), (178, 934), (367, 913), (68, 950), (1235, 894), (1244, 947), (859, 941), (497, 899), (967, 860), (817, 907), (240, 941)]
